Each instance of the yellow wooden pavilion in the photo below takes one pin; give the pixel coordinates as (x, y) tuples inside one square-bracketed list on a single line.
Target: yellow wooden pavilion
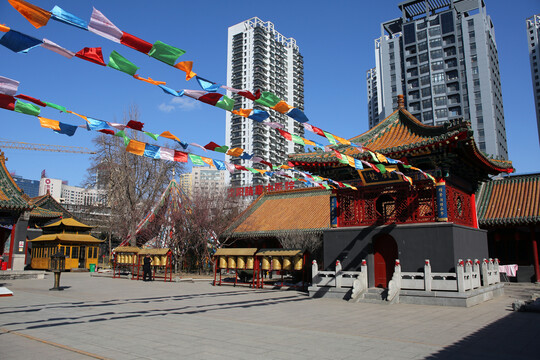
[(72, 238)]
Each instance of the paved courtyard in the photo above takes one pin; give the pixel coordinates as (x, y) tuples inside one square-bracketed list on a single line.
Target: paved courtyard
[(97, 317)]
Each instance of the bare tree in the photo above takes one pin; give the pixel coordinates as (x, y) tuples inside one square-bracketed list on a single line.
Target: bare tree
[(197, 232), (304, 241), (133, 183)]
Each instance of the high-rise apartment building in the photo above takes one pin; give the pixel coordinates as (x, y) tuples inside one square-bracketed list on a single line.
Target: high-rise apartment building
[(533, 37), (185, 182), (259, 57), (72, 195), (206, 181), (442, 57)]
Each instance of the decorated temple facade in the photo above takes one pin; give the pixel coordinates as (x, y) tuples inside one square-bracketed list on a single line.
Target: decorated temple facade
[(19, 216), (415, 200)]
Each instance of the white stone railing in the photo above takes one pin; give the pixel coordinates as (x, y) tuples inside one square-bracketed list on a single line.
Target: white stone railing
[(469, 275), (338, 278)]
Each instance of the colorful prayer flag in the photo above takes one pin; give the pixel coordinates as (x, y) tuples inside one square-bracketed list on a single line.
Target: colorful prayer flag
[(186, 66), (102, 26), (34, 14), (226, 103), (26, 108), (135, 43), (268, 99), (136, 147), (152, 151), (207, 85), (196, 159), (118, 62), (31, 99), (91, 54), (49, 123), (49, 45), (259, 115), (61, 15), (8, 86), (297, 115), (166, 53), (282, 107), (19, 42)]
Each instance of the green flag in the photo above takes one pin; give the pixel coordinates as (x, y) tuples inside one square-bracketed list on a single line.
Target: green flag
[(268, 99), (27, 108), (381, 168), (196, 159), (152, 135), (166, 53), (330, 138), (57, 107), (252, 170), (122, 134), (226, 103), (118, 62), (222, 149), (297, 139)]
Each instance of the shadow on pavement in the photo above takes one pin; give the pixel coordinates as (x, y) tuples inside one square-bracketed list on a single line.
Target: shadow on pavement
[(117, 315), (513, 337)]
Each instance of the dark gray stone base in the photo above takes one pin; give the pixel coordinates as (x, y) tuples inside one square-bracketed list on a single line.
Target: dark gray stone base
[(15, 275)]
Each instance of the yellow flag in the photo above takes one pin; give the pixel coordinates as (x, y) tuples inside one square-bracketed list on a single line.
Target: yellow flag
[(4, 28), (136, 147), (48, 123), (235, 151), (282, 107), (168, 135), (35, 15), (186, 66), (149, 80)]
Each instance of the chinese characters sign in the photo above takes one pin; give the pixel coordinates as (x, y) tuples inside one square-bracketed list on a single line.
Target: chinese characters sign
[(259, 189)]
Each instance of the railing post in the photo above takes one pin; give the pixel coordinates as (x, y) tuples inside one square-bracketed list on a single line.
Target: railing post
[(339, 274), (468, 273), (397, 273), (314, 273), (484, 270), (427, 275), (476, 272), (364, 274), (460, 276), (496, 265)]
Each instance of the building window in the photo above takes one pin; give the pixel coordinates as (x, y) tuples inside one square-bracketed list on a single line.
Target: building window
[(423, 57), (440, 101), (426, 92), (424, 80), (422, 35), (437, 65), (435, 42), (436, 54), (434, 31), (439, 89), (441, 113), (422, 46), (437, 78)]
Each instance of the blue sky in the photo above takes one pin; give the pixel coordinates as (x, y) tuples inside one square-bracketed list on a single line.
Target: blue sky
[(336, 40)]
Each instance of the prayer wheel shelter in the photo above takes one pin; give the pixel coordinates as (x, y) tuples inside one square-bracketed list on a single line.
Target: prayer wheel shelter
[(69, 237)]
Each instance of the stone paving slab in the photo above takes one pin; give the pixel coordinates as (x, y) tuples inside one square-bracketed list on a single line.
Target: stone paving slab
[(127, 319)]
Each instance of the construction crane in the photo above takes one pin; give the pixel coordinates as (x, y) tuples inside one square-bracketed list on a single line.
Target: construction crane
[(42, 147)]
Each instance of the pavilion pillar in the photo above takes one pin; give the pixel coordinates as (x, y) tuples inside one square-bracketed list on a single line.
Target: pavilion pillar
[(442, 210), (474, 215), (19, 242), (535, 254)]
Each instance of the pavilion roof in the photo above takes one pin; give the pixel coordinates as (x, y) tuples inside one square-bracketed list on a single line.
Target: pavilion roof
[(283, 212), (514, 200), (48, 202), (402, 135), (11, 196)]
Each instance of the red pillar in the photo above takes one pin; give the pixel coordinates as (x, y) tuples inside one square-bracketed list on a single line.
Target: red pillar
[(10, 258), (474, 215), (535, 254)]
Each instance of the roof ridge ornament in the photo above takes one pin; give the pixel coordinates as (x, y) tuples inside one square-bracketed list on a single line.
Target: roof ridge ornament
[(400, 101)]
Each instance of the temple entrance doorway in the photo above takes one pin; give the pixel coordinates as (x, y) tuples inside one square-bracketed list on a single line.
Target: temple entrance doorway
[(385, 253)]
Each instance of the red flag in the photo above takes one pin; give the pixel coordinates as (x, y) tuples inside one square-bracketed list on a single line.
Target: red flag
[(91, 54), (180, 156), (285, 134), (135, 43), (211, 146), (135, 125), (267, 163), (318, 131), (239, 167), (29, 98), (107, 131), (7, 102), (210, 98)]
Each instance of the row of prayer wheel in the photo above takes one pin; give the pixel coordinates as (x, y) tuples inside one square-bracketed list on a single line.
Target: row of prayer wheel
[(278, 263), (157, 260)]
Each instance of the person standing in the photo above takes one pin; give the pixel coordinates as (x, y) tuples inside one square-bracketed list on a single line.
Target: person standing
[(147, 270)]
